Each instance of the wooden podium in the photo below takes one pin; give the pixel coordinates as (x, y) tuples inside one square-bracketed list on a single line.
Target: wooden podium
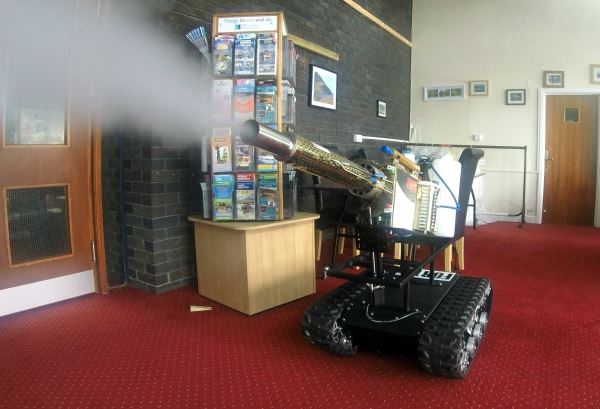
[(254, 266)]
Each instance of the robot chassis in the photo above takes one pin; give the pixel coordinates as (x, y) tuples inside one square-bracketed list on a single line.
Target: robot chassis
[(397, 304)]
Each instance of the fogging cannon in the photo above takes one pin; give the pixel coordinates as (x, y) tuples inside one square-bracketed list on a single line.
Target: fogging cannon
[(393, 302), (395, 187), (365, 179)]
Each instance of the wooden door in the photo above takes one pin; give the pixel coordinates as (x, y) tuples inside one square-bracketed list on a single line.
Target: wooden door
[(571, 156), (45, 146)]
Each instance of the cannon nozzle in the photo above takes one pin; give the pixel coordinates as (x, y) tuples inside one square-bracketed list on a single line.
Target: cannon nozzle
[(281, 145), (362, 180)]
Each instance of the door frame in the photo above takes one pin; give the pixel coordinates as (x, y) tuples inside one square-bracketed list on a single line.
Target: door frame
[(96, 211), (542, 94), (97, 223)]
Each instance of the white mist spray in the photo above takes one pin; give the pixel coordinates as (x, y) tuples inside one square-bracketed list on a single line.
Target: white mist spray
[(145, 77)]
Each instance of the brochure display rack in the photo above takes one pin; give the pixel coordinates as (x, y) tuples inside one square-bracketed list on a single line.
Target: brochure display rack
[(254, 70)]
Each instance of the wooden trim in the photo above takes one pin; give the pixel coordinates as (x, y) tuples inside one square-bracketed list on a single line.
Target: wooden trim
[(97, 209), (377, 21), (97, 219), (6, 232), (280, 39), (253, 225), (251, 13), (315, 48)]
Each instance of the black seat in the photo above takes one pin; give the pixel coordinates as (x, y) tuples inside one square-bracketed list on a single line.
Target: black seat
[(337, 208), (468, 161)]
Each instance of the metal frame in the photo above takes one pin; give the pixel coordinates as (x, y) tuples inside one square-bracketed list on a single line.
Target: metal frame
[(381, 271), (523, 148)]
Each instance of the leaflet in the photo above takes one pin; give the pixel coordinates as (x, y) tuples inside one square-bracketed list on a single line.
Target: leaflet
[(245, 50), (267, 196), (245, 196), (265, 161), (223, 54), (221, 98), (243, 99), (222, 187), (266, 52), (221, 150), (266, 101), (243, 156)]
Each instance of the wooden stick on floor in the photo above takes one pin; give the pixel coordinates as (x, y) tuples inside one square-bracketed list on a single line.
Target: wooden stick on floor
[(198, 308)]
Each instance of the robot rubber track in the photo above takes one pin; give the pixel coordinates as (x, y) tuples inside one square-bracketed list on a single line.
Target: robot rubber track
[(450, 338)]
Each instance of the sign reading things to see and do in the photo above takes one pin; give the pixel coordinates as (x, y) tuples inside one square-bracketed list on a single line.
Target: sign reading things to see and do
[(247, 23)]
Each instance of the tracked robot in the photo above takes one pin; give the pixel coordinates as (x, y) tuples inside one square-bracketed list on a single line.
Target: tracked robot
[(398, 302)]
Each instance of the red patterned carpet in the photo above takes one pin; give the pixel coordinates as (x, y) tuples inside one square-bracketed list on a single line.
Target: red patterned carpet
[(134, 350)]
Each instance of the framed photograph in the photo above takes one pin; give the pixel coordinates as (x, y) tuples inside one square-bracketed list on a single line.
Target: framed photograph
[(515, 97), (595, 73), (381, 109), (554, 79), (443, 92), (322, 88), (478, 88)]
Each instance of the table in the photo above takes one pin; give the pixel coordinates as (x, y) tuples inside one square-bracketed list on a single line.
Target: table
[(257, 265)]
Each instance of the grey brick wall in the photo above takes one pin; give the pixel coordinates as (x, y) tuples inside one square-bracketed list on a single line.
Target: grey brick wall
[(160, 189), (373, 64), (110, 206), (161, 171)]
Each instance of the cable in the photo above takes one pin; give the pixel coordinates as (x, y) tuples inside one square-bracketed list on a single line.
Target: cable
[(388, 321), (457, 208)]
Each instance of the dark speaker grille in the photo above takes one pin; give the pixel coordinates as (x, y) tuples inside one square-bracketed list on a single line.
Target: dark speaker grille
[(38, 223)]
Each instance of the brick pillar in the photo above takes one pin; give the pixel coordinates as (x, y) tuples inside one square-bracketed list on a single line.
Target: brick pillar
[(161, 191)]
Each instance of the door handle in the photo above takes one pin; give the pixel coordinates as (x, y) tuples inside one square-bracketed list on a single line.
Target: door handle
[(547, 155)]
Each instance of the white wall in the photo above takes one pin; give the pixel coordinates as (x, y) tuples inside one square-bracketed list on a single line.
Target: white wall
[(510, 43)]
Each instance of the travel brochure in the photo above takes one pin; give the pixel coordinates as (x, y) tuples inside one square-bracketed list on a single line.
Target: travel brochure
[(245, 49), (266, 101), (221, 150), (245, 196), (222, 189), (243, 99), (243, 156), (223, 54), (267, 196), (266, 54)]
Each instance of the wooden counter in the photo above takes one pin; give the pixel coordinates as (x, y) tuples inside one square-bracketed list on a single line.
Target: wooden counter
[(254, 266)]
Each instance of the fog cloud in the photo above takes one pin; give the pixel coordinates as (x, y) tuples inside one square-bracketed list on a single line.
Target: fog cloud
[(144, 76)]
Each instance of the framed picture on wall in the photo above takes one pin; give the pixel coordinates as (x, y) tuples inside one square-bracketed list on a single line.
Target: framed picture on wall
[(381, 109), (554, 79), (443, 92), (515, 97), (322, 88), (595, 73), (478, 88)]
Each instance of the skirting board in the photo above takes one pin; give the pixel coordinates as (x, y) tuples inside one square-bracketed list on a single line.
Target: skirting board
[(485, 219), (45, 292)]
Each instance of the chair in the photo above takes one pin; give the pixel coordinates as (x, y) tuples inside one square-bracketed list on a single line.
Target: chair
[(468, 160), (459, 245), (336, 208)]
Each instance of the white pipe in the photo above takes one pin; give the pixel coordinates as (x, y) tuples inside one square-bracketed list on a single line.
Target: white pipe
[(359, 138)]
